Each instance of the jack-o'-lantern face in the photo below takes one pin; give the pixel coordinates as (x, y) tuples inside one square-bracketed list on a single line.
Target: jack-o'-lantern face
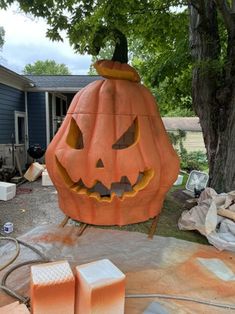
[(111, 173), (112, 152)]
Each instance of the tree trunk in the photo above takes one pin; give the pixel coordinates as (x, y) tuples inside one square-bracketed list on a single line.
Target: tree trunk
[(213, 93)]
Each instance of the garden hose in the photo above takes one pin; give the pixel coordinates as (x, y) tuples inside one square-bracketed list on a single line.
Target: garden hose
[(181, 298), (44, 259), (11, 260), (3, 285), (11, 292)]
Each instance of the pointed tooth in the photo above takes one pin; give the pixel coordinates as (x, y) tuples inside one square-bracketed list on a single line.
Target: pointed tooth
[(106, 182), (113, 195), (133, 177), (101, 189), (89, 183)]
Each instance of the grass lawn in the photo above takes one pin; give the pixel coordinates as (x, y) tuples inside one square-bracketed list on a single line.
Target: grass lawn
[(168, 222)]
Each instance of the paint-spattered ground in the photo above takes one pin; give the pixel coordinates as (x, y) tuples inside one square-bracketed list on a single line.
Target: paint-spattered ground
[(162, 265)]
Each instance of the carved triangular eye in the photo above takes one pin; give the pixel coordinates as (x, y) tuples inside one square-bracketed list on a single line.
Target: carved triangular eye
[(129, 138), (74, 137)]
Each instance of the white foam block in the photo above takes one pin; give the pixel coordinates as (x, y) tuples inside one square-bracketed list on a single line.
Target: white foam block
[(7, 191), (34, 171), (46, 180), (52, 288), (100, 288)]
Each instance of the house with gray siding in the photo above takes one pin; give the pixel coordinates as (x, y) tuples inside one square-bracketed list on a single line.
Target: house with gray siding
[(32, 108)]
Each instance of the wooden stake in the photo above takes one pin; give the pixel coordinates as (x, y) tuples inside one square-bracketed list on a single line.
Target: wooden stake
[(226, 213), (153, 227), (82, 229), (64, 221)]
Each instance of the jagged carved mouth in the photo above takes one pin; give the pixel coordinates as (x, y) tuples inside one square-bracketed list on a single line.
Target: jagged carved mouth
[(100, 192)]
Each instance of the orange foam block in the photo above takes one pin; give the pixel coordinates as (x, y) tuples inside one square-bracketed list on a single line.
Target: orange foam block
[(14, 308), (52, 288), (100, 288)]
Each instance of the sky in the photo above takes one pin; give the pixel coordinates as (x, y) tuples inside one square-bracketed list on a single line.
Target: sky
[(26, 42)]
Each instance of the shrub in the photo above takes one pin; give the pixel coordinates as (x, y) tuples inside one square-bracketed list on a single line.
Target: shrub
[(195, 160), (189, 161)]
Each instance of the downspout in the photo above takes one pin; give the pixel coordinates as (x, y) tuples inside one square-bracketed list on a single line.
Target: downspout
[(26, 124), (47, 118)]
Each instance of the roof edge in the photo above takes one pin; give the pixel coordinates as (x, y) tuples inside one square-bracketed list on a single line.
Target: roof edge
[(16, 75)]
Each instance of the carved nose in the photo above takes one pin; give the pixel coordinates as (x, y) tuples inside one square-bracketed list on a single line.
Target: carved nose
[(99, 164)]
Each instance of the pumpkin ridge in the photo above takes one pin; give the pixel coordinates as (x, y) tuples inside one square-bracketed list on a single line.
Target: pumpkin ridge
[(93, 129)]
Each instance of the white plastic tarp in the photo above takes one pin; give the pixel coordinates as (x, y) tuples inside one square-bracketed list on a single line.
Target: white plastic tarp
[(219, 231)]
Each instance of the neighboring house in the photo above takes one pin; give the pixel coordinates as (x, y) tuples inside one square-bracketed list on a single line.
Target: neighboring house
[(32, 108), (191, 125)]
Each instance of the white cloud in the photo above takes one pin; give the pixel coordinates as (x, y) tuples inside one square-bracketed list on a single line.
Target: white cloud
[(26, 42)]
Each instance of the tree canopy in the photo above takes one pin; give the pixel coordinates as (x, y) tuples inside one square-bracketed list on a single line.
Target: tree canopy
[(170, 47), (157, 33), (47, 67)]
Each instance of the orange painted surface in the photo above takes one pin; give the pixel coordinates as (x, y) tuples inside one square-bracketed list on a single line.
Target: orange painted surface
[(14, 308), (189, 279), (52, 288), (117, 70), (94, 147), (162, 265), (53, 238), (100, 288)]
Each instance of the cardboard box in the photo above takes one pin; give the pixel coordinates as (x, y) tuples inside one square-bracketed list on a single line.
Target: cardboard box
[(34, 172)]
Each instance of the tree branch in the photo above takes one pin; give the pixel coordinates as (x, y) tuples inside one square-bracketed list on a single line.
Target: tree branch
[(226, 14), (198, 5), (103, 34), (233, 6)]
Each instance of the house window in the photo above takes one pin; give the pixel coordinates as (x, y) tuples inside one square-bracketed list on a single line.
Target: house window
[(60, 110), (58, 106), (64, 107)]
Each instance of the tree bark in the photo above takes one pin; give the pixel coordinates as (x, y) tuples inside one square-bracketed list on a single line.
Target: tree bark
[(213, 89)]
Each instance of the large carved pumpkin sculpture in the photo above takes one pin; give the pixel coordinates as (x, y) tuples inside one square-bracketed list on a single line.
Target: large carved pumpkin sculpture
[(111, 160)]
